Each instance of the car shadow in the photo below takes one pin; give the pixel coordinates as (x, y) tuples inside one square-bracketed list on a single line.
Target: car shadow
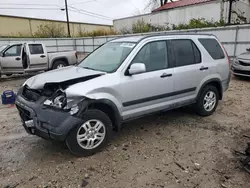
[(242, 78)]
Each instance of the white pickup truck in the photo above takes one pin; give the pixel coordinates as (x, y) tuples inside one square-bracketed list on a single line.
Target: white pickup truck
[(32, 57)]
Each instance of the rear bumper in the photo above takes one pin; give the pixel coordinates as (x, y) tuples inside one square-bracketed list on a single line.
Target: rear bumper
[(225, 83), (47, 123)]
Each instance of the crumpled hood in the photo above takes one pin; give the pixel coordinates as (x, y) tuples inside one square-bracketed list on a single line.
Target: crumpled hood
[(59, 76), (245, 55)]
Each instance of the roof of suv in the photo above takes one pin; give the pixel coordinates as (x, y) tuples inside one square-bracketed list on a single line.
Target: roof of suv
[(139, 38)]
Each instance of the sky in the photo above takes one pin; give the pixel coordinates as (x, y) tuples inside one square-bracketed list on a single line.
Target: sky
[(79, 10)]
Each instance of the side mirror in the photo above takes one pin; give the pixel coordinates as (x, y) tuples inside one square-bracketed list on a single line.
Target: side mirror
[(248, 49), (137, 68), (1, 54)]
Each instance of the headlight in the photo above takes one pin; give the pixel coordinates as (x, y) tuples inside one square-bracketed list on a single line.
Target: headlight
[(236, 61)]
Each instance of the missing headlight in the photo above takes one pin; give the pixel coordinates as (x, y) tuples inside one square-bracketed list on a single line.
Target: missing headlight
[(58, 100)]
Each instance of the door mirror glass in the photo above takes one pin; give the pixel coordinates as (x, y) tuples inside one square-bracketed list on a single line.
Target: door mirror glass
[(137, 68)]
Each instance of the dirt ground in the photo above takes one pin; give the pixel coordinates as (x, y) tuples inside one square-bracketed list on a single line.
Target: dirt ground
[(173, 149)]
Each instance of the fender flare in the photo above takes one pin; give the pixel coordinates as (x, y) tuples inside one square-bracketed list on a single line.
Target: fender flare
[(63, 58), (116, 116), (217, 80)]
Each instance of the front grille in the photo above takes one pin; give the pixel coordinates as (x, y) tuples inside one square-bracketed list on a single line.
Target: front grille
[(30, 95), (242, 72), (244, 64), (25, 114)]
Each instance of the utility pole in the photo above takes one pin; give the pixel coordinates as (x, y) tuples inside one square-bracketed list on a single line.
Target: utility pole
[(230, 11), (67, 15)]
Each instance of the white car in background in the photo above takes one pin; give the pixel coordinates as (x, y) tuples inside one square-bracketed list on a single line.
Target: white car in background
[(241, 65)]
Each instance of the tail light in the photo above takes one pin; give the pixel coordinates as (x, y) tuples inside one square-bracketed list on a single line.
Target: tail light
[(228, 58)]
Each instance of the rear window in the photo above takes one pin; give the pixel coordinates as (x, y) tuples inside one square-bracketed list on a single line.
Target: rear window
[(36, 49), (213, 48)]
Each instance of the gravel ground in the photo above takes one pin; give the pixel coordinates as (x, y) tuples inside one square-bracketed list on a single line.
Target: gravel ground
[(173, 149)]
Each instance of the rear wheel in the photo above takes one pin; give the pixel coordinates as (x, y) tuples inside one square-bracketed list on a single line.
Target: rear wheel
[(59, 64), (207, 101), (89, 137)]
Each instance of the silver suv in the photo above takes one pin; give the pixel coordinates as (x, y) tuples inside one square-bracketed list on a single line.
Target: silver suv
[(124, 79)]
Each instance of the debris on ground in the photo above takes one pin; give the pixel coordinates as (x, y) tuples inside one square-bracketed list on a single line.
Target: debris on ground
[(84, 183), (246, 162)]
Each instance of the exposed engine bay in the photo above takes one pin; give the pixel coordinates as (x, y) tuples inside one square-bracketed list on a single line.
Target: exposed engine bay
[(55, 96)]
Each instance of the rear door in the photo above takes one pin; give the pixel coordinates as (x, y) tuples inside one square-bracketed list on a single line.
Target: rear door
[(217, 60), (189, 70), (11, 62), (38, 58)]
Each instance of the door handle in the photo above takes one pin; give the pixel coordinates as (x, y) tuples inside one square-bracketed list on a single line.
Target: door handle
[(203, 68), (42, 56), (18, 58), (164, 75)]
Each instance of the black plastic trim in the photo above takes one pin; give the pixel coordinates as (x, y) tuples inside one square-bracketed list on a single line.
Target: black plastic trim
[(134, 102), (118, 118), (210, 81)]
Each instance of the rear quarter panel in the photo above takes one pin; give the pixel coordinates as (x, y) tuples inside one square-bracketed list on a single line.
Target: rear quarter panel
[(69, 56)]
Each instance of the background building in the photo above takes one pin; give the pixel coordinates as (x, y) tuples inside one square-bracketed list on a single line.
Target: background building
[(22, 26), (181, 12)]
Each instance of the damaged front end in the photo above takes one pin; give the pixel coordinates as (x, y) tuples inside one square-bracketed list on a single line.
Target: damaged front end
[(54, 97), (49, 112)]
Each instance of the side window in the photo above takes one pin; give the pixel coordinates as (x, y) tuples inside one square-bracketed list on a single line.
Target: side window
[(36, 49), (213, 48), (186, 52), (197, 53), (153, 55), (13, 51)]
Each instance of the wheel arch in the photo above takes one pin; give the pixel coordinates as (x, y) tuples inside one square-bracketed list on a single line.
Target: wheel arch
[(64, 59), (109, 108), (215, 82)]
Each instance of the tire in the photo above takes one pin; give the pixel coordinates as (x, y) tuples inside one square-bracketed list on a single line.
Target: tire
[(200, 104), (77, 147), (59, 64), (8, 75)]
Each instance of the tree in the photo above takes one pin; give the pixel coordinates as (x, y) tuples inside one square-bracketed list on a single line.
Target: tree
[(161, 2), (153, 4), (50, 30), (230, 9)]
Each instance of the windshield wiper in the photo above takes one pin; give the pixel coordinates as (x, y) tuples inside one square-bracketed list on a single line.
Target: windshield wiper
[(92, 69), (89, 68)]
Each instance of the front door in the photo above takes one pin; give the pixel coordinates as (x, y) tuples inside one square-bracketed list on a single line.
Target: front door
[(11, 61), (38, 59), (152, 90)]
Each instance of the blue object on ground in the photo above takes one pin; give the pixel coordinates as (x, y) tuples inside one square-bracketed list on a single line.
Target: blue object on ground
[(8, 97)]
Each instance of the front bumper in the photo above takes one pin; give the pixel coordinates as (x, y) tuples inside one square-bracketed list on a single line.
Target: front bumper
[(47, 123), (240, 70)]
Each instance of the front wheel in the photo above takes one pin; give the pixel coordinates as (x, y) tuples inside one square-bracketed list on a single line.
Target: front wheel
[(89, 137), (208, 101)]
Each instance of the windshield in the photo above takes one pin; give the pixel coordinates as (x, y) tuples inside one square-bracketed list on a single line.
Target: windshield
[(3, 47), (108, 57)]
